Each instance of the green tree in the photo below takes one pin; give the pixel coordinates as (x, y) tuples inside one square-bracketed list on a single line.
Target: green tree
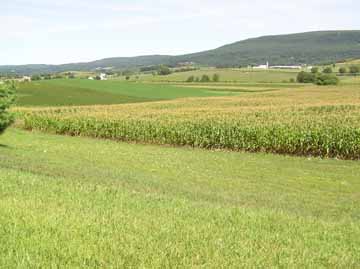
[(304, 77), (216, 78), (342, 70), (205, 78), (327, 70), (190, 79), (164, 70), (315, 70), (354, 69), (7, 98), (327, 79), (35, 77)]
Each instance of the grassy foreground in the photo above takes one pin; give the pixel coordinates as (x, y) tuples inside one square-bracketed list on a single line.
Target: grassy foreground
[(77, 202)]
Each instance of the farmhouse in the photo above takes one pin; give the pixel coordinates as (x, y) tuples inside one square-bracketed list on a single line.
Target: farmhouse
[(103, 76), (286, 67), (263, 66), (25, 79)]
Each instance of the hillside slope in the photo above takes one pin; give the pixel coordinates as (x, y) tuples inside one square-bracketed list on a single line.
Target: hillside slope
[(309, 48)]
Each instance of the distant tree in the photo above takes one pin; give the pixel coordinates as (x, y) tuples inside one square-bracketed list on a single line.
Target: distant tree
[(59, 76), (205, 78), (342, 70), (164, 70), (71, 76), (292, 80), (47, 76), (127, 77), (97, 77), (197, 79), (327, 79), (304, 77), (216, 78), (127, 73), (35, 77), (7, 98), (190, 79), (327, 70), (315, 70), (354, 69)]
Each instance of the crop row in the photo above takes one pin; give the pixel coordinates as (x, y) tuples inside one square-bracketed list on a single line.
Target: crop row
[(315, 131)]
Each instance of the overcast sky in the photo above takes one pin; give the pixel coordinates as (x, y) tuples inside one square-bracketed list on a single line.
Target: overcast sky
[(53, 32)]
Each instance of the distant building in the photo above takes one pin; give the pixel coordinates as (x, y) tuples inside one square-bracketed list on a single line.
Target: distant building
[(25, 79), (286, 67), (263, 66), (90, 78), (103, 76)]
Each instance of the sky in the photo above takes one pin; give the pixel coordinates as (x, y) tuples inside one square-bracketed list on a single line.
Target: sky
[(66, 31)]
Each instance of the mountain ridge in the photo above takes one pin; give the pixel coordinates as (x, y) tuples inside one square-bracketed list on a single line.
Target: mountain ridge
[(314, 47)]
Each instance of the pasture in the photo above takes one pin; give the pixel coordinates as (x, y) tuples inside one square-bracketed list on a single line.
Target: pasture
[(78, 202), (60, 92)]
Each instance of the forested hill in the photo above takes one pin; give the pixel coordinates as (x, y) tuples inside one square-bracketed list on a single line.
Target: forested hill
[(303, 48)]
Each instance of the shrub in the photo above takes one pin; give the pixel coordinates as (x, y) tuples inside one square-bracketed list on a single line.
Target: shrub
[(205, 78), (327, 70), (342, 70), (304, 77), (315, 70), (6, 99), (164, 70), (216, 78), (190, 79), (354, 69), (327, 79), (35, 77)]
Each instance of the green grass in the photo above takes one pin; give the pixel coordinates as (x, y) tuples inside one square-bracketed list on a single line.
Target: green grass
[(62, 92), (77, 202)]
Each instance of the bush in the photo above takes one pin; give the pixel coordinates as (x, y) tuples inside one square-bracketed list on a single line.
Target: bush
[(354, 69), (205, 78), (327, 70), (342, 70), (327, 79), (35, 77), (190, 79), (6, 99), (304, 77), (164, 70), (315, 70), (216, 78)]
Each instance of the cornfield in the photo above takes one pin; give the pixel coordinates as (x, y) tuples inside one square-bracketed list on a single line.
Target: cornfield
[(293, 124)]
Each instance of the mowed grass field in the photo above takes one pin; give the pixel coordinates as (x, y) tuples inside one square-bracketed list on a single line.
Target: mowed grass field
[(77, 202), (60, 92)]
